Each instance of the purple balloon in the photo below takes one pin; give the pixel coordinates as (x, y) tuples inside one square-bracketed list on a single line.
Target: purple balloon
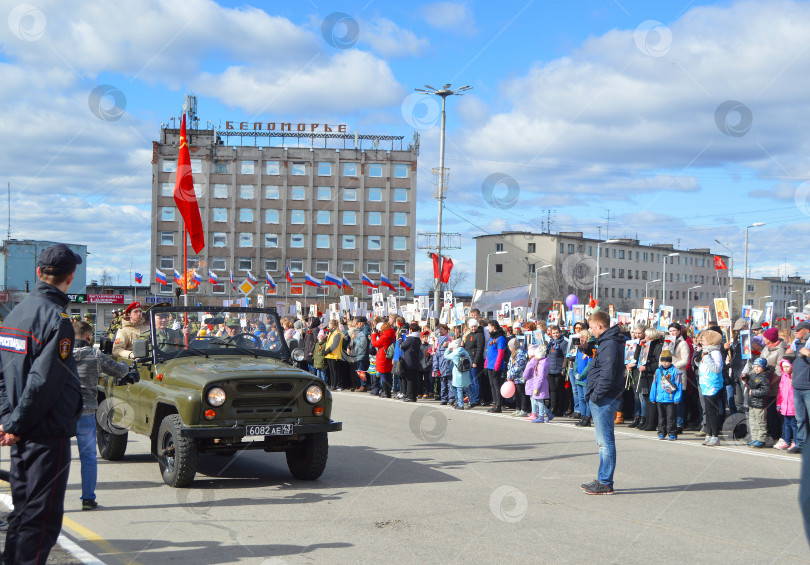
[(571, 300)]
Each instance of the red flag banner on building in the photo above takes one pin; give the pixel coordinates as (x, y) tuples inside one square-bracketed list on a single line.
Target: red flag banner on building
[(184, 195), (718, 263), (447, 266), (435, 265)]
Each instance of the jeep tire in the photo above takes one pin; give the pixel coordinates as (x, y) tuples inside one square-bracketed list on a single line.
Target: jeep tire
[(307, 461), (111, 446), (177, 455)]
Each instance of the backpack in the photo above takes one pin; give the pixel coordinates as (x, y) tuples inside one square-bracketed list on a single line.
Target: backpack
[(464, 364), (389, 353)]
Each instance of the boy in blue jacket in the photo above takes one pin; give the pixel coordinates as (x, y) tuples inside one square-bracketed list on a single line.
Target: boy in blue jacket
[(666, 393)]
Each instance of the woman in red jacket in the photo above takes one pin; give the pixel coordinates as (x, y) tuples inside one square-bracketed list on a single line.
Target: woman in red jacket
[(382, 339)]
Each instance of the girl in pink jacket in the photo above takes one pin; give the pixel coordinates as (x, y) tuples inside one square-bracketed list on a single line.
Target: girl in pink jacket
[(784, 403), (536, 378)]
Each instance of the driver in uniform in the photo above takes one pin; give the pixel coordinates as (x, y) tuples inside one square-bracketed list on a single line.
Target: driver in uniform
[(165, 337), (235, 334)]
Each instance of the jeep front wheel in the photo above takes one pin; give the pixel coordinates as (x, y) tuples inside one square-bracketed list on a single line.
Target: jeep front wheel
[(111, 446), (177, 455), (307, 461)]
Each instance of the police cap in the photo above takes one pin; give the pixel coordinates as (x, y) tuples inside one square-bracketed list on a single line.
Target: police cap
[(58, 259)]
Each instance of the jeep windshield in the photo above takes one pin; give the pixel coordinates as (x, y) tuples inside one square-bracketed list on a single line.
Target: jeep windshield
[(205, 331)]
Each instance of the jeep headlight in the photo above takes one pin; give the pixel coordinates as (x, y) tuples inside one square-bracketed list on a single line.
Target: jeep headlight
[(216, 396), (313, 394), (297, 354)]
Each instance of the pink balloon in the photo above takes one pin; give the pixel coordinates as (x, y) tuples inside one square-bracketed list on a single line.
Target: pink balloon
[(508, 389)]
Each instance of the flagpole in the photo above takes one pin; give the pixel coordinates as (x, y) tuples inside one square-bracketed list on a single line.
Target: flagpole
[(185, 281)]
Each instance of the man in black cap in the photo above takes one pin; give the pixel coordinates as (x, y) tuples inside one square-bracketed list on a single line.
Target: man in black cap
[(40, 405)]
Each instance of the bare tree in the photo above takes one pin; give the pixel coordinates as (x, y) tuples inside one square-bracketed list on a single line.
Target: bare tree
[(106, 278)]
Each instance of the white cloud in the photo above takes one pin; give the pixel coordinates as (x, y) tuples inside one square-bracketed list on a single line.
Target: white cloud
[(452, 16), (389, 40)]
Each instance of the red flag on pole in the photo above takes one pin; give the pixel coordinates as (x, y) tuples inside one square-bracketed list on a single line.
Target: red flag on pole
[(184, 195), (435, 265), (447, 266), (718, 263)]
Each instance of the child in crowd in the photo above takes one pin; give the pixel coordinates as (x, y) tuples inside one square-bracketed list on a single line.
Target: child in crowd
[(666, 391), (757, 386), (784, 403), (318, 360), (459, 359), (514, 373), (582, 361), (536, 377)]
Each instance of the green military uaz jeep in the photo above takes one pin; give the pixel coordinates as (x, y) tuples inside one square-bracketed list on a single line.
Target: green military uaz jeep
[(192, 392)]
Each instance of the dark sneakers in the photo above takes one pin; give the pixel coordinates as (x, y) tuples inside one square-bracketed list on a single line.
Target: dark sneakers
[(586, 486), (89, 504), (598, 488)]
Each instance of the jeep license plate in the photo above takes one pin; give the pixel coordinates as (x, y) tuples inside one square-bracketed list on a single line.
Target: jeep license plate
[(270, 430)]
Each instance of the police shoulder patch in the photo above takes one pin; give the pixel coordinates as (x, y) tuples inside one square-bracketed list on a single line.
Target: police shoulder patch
[(64, 348), (64, 315)]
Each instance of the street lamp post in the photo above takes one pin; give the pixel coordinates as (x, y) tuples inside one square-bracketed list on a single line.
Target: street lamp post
[(689, 296), (444, 93), (730, 276), (745, 274), (647, 287), (787, 308), (486, 286), (596, 279), (598, 256), (760, 299), (664, 282), (535, 277)]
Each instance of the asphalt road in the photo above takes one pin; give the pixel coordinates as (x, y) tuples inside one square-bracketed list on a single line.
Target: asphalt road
[(420, 483)]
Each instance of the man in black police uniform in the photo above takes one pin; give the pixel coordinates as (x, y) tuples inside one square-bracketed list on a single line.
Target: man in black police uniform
[(40, 405)]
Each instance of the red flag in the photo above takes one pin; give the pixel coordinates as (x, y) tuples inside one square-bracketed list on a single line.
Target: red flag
[(447, 266), (591, 302), (718, 263), (184, 195), (435, 265)]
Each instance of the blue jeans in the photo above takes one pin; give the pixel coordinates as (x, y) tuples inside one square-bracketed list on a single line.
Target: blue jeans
[(321, 373), (580, 404), (641, 405), (446, 390), (475, 397), (539, 408), (789, 429), (460, 394), (732, 408), (86, 439), (603, 415), (801, 400), (681, 412)]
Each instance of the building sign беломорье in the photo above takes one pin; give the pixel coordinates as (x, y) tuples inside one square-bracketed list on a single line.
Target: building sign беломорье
[(285, 126)]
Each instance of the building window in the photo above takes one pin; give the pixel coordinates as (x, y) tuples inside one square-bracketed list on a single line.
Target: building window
[(614, 256), (531, 248), (750, 287), (374, 242), (167, 238), (621, 275), (271, 216), (245, 239), (375, 195), (168, 166), (271, 240), (322, 241), (218, 289), (221, 167), (219, 214), (347, 267), (166, 262), (196, 165), (631, 255), (247, 167), (245, 263), (579, 248), (167, 189), (399, 267), (245, 214), (499, 247), (590, 250), (400, 195), (220, 239), (218, 264), (350, 195), (324, 217), (272, 168), (167, 213), (297, 265), (296, 216), (400, 243), (400, 219), (375, 170), (324, 169), (246, 192), (321, 265), (562, 248), (373, 267), (348, 242), (324, 193), (299, 169), (621, 256), (271, 192), (349, 169), (271, 265), (296, 240), (374, 218), (220, 191), (165, 288), (613, 273), (401, 171), (533, 269), (297, 193), (349, 218), (498, 267), (621, 293), (570, 248)]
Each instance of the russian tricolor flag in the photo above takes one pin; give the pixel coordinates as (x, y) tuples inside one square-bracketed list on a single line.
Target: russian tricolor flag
[(347, 283), (177, 278), (233, 286), (212, 277), (368, 282), (309, 280), (330, 279), (269, 280), (252, 278), (386, 283), (289, 275), (138, 278), (406, 282), (160, 276), (197, 277)]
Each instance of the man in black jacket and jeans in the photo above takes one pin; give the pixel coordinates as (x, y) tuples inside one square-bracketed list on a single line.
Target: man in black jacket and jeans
[(40, 404), (604, 393), (474, 345)]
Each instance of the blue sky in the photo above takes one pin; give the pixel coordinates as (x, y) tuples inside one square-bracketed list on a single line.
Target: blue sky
[(685, 120)]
